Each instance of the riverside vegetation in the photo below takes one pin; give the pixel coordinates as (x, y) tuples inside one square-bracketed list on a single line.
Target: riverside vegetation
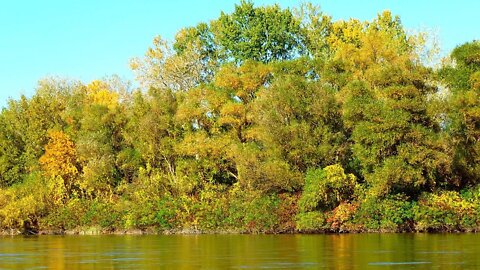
[(264, 120)]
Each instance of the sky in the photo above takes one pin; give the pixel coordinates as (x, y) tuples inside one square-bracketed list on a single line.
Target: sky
[(91, 39)]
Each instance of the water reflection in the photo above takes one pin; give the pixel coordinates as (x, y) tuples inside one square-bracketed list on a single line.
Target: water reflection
[(355, 251)]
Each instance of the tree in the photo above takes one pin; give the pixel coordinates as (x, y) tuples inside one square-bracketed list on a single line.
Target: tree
[(302, 120), (162, 67), (99, 138), (59, 163), (24, 125), (262, 34), (462, 78), (316, 27), (151, 132), (384, 103), (205, 146)]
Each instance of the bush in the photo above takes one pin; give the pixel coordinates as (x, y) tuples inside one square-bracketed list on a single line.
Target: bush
[(101, 213), (160, 213), (326, 188), (310, 221), (446, 211), (23, 204), (78, 212), (211, 207), (252, 211), (341, 218), (64, 217), (392, 213), (166, 213), (286, 212)]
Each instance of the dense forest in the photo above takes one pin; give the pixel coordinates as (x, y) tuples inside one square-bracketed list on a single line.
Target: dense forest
[(264, 120)]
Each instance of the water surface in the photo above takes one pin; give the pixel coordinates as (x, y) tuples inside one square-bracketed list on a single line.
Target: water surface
[(351, 251)]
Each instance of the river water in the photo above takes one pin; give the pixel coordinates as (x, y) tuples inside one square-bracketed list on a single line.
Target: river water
[(349, 251)]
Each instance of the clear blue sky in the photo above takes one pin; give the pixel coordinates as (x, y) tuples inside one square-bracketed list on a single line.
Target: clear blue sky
[(91, 39)]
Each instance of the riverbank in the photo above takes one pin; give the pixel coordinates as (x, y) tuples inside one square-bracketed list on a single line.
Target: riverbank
[(234, 211), (155, 231)]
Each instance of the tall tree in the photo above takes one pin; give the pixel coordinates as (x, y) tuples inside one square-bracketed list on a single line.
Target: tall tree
[(99, 138), (162, 67), (462, 78), (262, 34), (24, 125), (395, 141)]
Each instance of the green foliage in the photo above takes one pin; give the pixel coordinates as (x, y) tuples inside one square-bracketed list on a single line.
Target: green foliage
[(463, 124), (325, 188), (252, 211), (302, 120), (468, 55), (259, 33), (211, 207), (165, 217), (393, 213), (23, 129), (385, 108), (85, 214), (311, 222)]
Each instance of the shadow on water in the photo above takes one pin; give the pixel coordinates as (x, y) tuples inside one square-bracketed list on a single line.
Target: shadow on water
[(350, 251)]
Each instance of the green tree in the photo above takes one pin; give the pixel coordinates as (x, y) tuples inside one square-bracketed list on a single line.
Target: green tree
[(262, 34), (326, 188), (302, 120), (384, 104), (24, 125), (99, 138), (462, 78), (151, 132)]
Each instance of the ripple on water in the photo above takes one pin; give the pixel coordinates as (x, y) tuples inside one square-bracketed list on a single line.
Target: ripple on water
[(126, 259), (279, 265), (12, 254), (397, 263), (440, 252)]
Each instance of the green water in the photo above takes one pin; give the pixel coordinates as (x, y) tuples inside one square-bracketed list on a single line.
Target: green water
[(353, 251)]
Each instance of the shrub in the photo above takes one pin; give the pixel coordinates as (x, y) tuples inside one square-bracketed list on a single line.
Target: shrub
[(211, 207), (392, 213), (340, 219), (446, 211), (22, 204), (286, 212), (310, 221), (326, 188), (166, 213), (252, 211)]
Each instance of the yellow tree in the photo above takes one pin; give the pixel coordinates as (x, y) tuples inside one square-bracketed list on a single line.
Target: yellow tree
[(242, 85), (99, 93), (59, 163)]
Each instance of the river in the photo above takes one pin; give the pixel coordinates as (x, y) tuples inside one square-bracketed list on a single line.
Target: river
[(348, 251)]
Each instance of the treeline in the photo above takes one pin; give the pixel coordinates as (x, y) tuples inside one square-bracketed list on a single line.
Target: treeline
[(263, 120)]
